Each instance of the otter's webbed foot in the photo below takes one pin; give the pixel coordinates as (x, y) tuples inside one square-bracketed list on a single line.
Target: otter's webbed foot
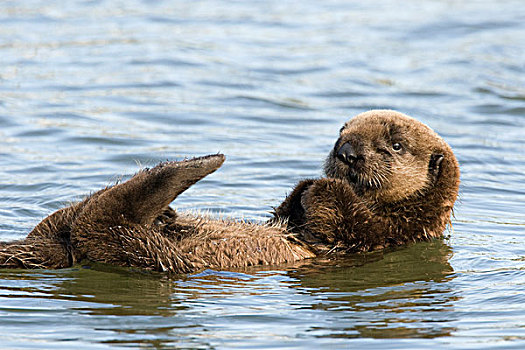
[(127, 211), (146, 195)]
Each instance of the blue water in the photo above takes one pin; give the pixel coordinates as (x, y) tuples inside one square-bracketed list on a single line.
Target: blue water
[(91, 91)]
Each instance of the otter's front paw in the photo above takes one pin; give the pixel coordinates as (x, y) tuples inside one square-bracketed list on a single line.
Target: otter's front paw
[(327, 192), (326, 204), (291, 209)]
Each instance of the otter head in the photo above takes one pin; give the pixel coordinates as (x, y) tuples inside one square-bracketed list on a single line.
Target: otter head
[(389, 157)]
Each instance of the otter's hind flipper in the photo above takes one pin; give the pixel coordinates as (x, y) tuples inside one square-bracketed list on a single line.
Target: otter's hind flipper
[(143, 197)]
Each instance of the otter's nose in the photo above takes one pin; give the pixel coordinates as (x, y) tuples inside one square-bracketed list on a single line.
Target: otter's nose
[(347, 154)]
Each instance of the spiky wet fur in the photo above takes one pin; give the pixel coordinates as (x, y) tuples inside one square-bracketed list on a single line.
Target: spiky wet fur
[(131, 224)]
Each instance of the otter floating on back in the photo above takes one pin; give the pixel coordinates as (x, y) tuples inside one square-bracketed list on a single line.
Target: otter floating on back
[(389, 180)]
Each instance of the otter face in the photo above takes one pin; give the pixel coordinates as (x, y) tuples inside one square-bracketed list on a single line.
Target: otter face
[(386, 156)]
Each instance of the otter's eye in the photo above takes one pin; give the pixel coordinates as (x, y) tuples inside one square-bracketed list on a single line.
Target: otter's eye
[(396, 146)]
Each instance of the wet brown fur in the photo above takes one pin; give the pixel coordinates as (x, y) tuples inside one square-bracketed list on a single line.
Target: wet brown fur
[(131, 224), (386, 197)]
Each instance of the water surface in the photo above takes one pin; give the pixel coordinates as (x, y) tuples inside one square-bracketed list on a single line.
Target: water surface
[(91, 91)]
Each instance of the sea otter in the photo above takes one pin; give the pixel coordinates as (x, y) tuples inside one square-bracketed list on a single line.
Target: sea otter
[(389, 180)]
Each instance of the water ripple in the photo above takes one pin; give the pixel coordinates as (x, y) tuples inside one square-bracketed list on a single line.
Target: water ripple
[(93, 91)]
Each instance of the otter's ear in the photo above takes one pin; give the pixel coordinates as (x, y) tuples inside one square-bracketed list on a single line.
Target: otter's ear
[(434, 165), (143, 197)]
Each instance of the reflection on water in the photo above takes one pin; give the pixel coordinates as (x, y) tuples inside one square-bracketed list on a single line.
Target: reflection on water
[(406, 290), (90, 91), (410, 289)]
